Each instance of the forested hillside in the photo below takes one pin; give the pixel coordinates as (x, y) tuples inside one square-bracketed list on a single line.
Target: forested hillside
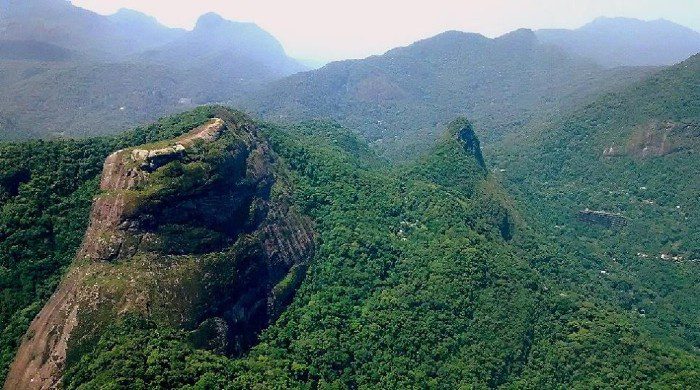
[(519, 212), (77, 100), (423, 275), (400, 100), (633, 155)]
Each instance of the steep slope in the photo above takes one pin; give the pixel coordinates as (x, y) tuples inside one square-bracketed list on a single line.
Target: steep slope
[(627, 42), (632, 156), (196, 233), (46, 192), (400, 100)]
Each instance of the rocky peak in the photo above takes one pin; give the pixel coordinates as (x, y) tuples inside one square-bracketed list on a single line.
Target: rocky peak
[(520, 38), (209, 21), (187, 232)]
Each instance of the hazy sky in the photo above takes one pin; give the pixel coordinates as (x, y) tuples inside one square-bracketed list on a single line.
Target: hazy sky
[(334, 29)]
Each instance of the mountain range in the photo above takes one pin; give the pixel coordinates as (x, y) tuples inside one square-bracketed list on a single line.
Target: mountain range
[(59, 23), (164, 70), (400, 100), (516, 212), (72, 72), (627, 42)]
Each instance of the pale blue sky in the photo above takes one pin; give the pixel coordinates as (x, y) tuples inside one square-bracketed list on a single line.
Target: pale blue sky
[(331, 30)]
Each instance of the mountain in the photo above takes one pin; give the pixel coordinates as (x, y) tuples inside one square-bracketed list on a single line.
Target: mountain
[(617, 179), (400, 99), (214, 250), (145, 32), (243, 56), (185, 231), (59, 23), (215, 38), (66, 71), (627, 42), (422, 275)]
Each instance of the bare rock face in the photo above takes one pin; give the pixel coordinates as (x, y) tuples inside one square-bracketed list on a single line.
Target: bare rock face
[(467, 137), (656, 139), (197, 233), (652, 140), (602, 218)]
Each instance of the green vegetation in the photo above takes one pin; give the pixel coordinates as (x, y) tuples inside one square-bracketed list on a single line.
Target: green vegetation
[(414, 284), (633, 152), (136, 354), (424, 275), (303, 256)]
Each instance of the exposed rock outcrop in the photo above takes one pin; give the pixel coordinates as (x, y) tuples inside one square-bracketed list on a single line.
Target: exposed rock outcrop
[(196, 233), (603, 218), (470, 142), (656, 139)]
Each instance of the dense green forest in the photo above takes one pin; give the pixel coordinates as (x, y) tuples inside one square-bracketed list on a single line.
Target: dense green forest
[(632, 153), (425, 275)]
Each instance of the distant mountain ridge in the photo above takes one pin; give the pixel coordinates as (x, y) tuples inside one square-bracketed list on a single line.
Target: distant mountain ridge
[(236, 57), (68, 71), (627, 42), (60, 23), (500, 83), (399, 99)]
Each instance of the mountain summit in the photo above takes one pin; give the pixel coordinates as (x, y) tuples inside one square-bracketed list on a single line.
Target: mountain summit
[(195, 232), (627, 42)]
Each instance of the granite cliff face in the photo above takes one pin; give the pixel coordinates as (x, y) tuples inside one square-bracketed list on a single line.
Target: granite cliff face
[(469, 140), (196, 233)]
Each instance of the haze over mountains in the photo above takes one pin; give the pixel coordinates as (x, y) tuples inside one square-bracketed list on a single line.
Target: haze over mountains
[(627, 42), (73, 72), (59, 23), (402, 98), (66, 61)]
